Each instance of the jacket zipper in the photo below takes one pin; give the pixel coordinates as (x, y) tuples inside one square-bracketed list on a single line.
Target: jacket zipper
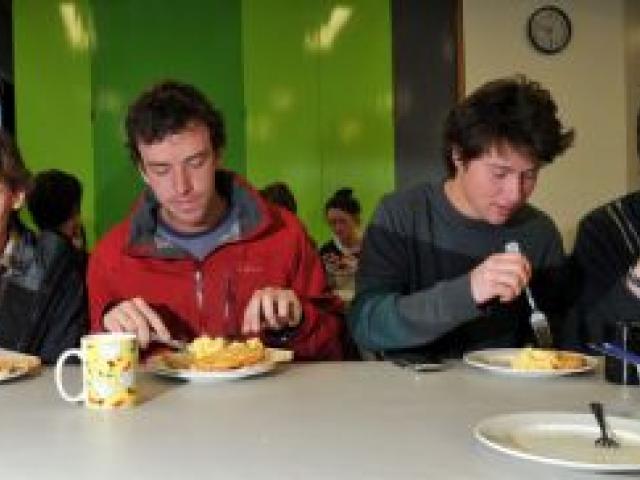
[(199, 289)]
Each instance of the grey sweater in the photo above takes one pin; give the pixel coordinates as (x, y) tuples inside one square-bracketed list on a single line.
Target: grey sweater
[(413, 288)]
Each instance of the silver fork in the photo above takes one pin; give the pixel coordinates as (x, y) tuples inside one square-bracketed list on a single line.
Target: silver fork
[(172, 342), (538, 319), (605, 440)]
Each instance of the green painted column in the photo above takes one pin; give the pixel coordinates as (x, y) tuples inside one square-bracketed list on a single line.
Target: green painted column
[(356, 102), (141, 43), (318, 92), (52, 42)]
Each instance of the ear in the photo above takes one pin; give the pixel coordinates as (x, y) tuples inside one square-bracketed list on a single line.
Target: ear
[(456, 158), (217, 157), (18, 199)]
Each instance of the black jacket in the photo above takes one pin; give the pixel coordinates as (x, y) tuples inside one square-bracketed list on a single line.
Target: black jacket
[(607, 245), (42, 296)]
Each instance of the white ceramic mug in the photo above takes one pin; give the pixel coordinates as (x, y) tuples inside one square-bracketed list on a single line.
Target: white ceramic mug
[(109, 364)]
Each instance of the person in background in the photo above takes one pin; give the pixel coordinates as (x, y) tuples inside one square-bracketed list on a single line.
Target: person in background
[(434, 277), (279, 193), (606, 258), (340, 254), (42, 292), (202, 252), (54, 204)]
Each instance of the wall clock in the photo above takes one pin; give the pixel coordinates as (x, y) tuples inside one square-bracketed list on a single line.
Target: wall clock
[(549, 29)]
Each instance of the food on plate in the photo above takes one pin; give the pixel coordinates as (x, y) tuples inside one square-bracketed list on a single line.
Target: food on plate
[(215, 354), (10, 364), (539, 359)]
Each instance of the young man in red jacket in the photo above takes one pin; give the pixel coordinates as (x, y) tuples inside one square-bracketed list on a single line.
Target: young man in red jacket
[(202, 252)]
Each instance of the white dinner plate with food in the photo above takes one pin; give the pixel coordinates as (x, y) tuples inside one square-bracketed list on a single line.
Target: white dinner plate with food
[(15, 365), (160, 366), (500, 360), (563, 439)]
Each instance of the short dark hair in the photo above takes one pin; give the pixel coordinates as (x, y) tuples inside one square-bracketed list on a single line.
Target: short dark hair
[(167, 108), (279, 193), (344, 200), (13, 171), (514, 110), (56, 196)]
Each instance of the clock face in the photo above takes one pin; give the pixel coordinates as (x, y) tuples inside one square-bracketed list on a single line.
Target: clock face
[(549, 29)]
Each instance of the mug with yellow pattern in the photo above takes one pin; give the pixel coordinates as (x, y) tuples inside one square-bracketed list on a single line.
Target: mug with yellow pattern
[(109, 364)]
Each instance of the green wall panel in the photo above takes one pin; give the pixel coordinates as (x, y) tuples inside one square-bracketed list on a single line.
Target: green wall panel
[(140, 43), (318, 100), (53, 90), (356, 91), (281, 95)]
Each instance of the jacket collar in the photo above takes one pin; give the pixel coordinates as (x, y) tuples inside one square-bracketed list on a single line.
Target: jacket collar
[(144, 241)]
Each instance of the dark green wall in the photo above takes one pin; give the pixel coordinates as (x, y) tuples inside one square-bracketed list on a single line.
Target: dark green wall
[(140, 43)]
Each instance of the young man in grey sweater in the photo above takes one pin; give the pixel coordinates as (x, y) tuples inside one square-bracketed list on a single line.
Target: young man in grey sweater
[(434, 275)]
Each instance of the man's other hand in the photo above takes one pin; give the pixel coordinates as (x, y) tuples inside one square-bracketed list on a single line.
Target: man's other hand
[(271, 308)]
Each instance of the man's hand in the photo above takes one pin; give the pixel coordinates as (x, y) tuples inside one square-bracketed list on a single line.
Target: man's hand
[(272, 308), (135, 316), (502, 275)]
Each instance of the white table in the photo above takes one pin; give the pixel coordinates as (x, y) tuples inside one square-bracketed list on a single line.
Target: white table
[(355, 420)]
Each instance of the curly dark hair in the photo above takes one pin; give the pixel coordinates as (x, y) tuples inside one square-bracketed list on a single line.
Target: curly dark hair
[(167, 108), (344, 200), (514, 110), (13, 171), (56, 196)]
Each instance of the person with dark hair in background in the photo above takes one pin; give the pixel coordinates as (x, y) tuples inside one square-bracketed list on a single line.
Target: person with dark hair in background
[(42, 293), (606, 256), (434, 277), (202, 252), (340, 254), (54, 204), (279, 193)]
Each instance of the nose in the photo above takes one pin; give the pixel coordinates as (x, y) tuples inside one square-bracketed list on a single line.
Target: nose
[(515, 190), (181, 180)]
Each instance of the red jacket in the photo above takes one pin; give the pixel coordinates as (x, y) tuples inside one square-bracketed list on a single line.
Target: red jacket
[(197, 297)]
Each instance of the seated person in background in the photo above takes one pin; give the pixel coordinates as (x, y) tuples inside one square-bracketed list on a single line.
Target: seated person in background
[(279, 193), (607, 259), (202, 252), (42, 294), (434, 275), (340, 254), (54, 204)]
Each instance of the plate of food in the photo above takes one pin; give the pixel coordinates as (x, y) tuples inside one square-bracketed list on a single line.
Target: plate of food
[(531, 362), (214, 359), (563, 439), (14, 365)]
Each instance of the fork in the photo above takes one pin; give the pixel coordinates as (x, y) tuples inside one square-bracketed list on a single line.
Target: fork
[(538, 319), (605, 440), (172, 342)]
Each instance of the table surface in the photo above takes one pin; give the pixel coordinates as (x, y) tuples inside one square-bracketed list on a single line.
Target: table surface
[(351, 420)]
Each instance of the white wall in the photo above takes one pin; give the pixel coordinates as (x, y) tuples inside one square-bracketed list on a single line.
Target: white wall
[(589, 81)]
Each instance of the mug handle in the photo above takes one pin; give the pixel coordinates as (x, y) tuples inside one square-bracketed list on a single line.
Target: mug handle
[(74, 352)]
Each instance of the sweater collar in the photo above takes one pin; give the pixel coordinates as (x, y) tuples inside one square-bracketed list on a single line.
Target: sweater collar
[(144, 240)]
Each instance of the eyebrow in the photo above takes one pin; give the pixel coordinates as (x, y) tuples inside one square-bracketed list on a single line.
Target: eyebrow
[(200, 153)]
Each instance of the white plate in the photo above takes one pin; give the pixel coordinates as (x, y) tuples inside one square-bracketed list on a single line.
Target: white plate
[(563, 439), (499, 360), (159, 368)]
